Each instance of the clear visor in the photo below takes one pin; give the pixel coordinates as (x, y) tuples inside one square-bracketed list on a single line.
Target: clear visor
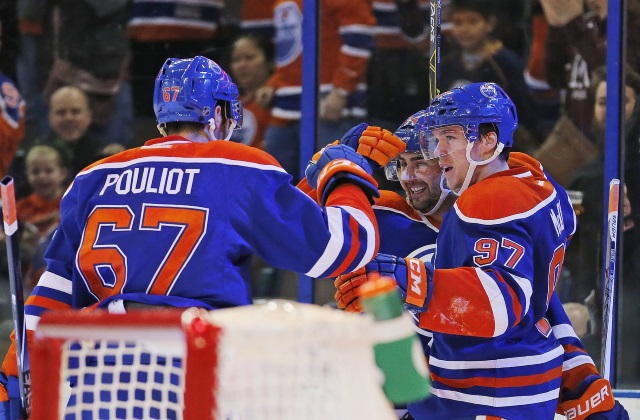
[(428, 144), (409, 166)]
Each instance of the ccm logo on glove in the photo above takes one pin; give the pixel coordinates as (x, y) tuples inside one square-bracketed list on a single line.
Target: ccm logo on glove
[(417, 290)]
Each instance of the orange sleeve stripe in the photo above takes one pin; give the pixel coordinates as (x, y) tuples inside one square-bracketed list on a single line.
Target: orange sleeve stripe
[(517, 307), (571, 378), (48, 303), (492, 382), (355, 246), (570, 348)]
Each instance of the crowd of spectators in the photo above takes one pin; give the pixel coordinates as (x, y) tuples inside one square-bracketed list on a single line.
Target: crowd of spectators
[(77, 78)]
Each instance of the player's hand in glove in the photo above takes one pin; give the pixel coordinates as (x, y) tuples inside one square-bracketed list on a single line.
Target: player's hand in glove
[(412, 275), (592, 401), (376, 144), (347, 289), (10, 402), (337, 164)]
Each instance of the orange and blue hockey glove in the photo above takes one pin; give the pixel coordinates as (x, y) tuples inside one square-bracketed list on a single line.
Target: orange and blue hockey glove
[(376, 144), (337, 164), (593, 400), (414, 279)]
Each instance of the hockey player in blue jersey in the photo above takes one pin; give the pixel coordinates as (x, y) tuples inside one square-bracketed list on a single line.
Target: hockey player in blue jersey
[(176, 221), (455, 386)]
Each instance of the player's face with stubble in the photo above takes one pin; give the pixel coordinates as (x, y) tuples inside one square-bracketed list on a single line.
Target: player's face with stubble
[(420, 180)]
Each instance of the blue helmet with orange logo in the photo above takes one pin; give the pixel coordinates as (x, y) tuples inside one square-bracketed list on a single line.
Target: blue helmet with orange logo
[(189, 90), (471, 105)]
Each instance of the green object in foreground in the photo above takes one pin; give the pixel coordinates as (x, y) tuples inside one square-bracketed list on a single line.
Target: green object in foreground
[(398, 352)]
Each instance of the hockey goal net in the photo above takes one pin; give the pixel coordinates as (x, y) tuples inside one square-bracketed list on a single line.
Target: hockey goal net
[(278, 360)]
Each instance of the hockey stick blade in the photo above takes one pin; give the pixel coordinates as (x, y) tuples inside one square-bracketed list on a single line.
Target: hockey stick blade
[(7, 193)]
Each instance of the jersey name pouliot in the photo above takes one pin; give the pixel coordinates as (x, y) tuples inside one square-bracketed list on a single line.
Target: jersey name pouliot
[(147, 180)]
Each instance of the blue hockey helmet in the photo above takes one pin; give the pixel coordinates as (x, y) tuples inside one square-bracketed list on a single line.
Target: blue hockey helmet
[(410, 131), (189, 90), (471, 105)]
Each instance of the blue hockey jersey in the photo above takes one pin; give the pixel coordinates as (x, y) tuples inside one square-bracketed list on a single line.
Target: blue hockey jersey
[(499, 254), (176, 222), (407, 233)]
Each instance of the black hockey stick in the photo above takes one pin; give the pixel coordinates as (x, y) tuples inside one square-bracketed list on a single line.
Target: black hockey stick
[(434, 48), (17, 298)]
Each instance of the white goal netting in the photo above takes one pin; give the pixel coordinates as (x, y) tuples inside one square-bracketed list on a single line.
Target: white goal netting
[(278, 360)]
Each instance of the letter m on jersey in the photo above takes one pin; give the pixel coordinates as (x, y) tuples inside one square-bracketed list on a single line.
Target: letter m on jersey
[(556, 218)]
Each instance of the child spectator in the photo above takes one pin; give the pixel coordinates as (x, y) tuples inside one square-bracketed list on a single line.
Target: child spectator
[(483, 58), (46, 173), (251, 66), (39, 212)]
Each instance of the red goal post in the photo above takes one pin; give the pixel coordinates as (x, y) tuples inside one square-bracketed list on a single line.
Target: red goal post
[(184, 334), (278, 360)]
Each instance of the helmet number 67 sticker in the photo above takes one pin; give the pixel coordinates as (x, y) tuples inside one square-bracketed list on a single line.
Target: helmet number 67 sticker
[(166, 93)]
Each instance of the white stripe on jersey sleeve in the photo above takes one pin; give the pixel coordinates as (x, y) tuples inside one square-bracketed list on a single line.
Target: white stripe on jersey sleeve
[(56, 282), (333, 248), (583, 359), (563, 331), (364, 221), (498, 304), (31, 322), (525, 286)]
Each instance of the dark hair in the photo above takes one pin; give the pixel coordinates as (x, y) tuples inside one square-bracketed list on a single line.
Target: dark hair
[(486, 8), (265, 44), (182, 126), (486, 128), (599, 74)]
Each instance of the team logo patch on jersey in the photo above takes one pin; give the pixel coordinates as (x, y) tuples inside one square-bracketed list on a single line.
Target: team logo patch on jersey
[(489, 91), (288, 24)]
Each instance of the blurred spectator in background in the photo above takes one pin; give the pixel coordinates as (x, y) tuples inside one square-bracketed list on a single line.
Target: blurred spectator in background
[(483, 58), (251, 66), (70, 121), (70, 118), (39, 212), (34, 61), (583, 260), (546, 98), (576, 45), (89, 49), (12, 120), (256, 17), (161, 29), (579, 316), (346, 41), (397, 74)]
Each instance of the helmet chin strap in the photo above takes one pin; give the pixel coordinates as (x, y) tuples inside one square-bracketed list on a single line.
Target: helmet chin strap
[(444, 193), (212, 129), (162, 130), (473, 164)]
